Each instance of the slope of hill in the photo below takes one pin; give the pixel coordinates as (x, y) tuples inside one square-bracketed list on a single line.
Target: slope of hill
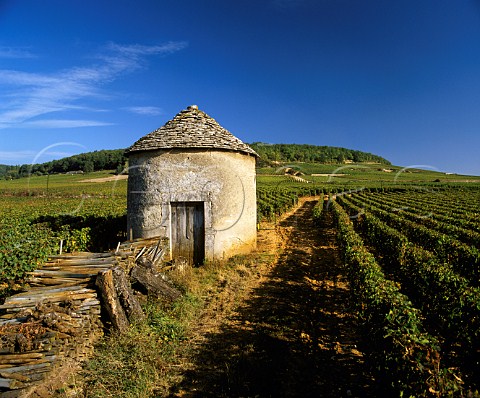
[(113, 159), (269, 154)]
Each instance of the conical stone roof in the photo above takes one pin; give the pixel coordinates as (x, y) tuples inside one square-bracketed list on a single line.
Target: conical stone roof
[(191, 128)]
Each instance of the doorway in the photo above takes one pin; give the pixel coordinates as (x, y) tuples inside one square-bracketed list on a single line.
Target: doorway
[(188, 231)]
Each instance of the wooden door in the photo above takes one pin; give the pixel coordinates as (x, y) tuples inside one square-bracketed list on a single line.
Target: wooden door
[(188, 231)]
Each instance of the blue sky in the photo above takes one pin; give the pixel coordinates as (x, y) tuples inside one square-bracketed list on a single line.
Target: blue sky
[(399, 79)]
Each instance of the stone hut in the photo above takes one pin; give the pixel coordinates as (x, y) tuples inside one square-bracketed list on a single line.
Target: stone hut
[(193, 182)]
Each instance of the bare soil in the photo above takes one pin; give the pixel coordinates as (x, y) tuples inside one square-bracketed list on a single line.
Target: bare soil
[(107, 179), (288, 330)]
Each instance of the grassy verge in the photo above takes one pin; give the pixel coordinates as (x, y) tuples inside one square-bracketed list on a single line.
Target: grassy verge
[(150, 358), (136, 364)]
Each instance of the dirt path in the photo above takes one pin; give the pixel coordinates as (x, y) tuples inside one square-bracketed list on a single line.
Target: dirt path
[(292, 335), (107, 179)]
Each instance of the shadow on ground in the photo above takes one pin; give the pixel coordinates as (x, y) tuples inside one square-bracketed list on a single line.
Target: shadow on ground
[(294, 336)]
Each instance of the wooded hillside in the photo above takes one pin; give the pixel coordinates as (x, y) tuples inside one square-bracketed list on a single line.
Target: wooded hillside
[(87, 162), (312, 153)]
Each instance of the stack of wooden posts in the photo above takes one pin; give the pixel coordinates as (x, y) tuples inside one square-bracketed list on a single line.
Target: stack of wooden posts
[(57, 316)]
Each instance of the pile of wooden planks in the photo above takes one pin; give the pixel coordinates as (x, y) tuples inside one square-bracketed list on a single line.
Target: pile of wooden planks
[(58, 315)]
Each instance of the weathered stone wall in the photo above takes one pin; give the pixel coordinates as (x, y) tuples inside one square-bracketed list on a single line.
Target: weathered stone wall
[(223, 180)]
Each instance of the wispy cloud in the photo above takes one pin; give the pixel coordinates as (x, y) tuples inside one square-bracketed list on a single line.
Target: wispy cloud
[(145, 110), (65, 123), (12, 52), (27, 156), (33, 95), (14, 156), (140, 50)]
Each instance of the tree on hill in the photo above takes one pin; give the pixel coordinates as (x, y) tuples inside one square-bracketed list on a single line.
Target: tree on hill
[(88, 166)]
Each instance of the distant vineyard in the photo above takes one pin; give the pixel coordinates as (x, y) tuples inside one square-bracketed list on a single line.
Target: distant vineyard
[(414, 264)]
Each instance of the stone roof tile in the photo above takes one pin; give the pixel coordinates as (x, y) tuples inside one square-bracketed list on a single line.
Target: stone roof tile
[(191, 128)]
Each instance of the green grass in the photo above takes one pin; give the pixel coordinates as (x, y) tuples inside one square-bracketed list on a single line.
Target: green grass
[(147, 360), (135, 364)]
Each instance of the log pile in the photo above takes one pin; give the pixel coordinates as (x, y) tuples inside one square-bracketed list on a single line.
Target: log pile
[(58, 316), (140, 273)]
